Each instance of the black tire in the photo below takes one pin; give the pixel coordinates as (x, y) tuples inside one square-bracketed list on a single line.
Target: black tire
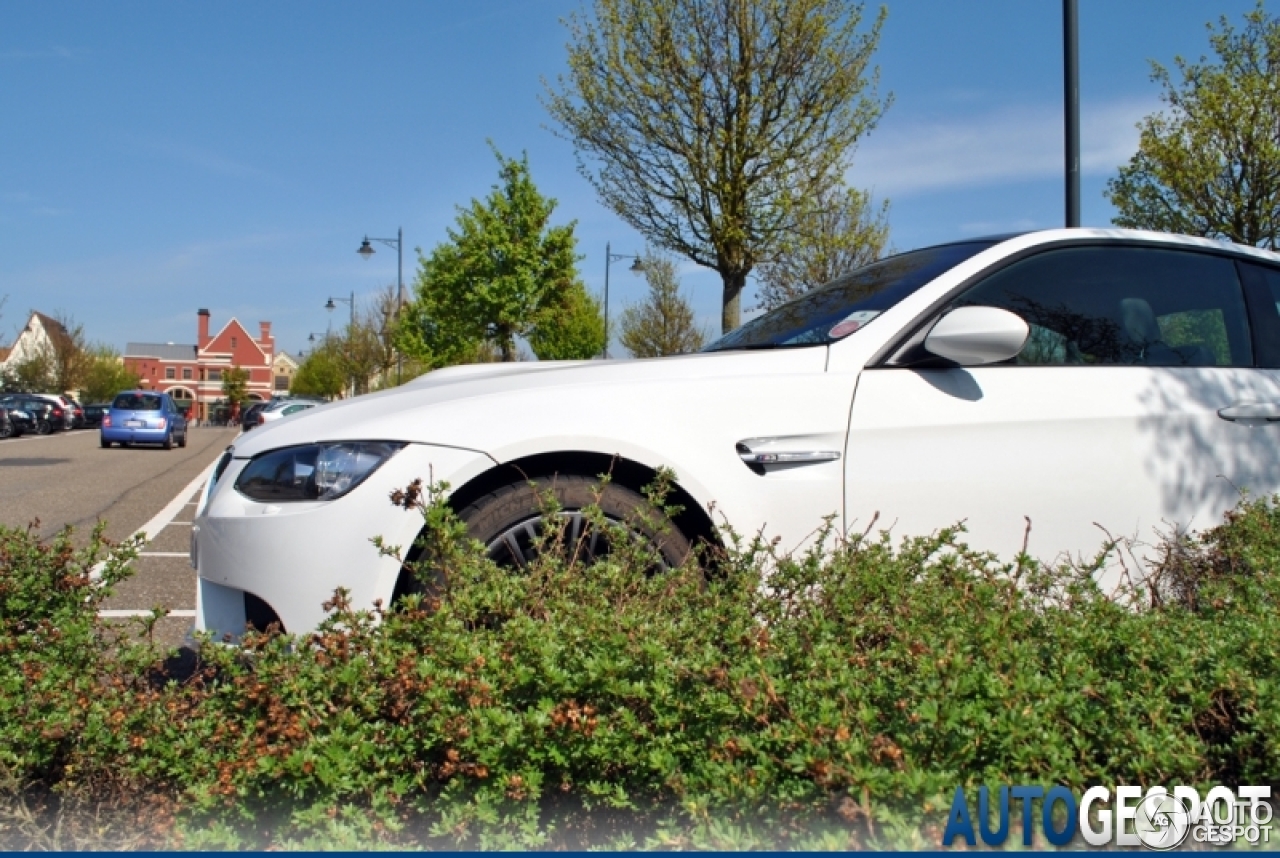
[(168, 440), (106, 445), (6, 430), (507, 521), (182, 442), (44, 427)]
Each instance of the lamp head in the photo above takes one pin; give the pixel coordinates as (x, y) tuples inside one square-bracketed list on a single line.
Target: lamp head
[(637, 267), (366, 249), (329, 305)]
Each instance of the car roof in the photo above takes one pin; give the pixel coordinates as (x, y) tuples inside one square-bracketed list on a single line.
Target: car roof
[(1121, 235)]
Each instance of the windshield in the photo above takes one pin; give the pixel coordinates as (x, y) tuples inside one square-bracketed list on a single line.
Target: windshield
[(844, 305)]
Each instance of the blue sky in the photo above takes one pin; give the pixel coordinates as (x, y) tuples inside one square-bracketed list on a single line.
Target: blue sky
[(160, 157)]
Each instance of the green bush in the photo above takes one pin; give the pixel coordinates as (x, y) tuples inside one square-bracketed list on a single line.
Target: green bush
[(825, 701)]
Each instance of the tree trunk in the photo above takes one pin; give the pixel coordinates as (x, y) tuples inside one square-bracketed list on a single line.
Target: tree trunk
[(508, 345), (731, 312)]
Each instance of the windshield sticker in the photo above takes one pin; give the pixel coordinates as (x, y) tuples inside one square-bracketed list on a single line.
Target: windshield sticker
[(852, 322)]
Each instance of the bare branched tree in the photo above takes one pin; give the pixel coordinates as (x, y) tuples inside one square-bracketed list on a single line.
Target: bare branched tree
[(839, 230), (663, 324), (703, 123)]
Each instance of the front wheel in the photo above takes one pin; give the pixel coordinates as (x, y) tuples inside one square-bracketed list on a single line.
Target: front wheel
[(44, 427), (509, 521)]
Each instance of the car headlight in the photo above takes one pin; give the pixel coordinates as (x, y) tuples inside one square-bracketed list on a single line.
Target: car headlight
[(313, 472)]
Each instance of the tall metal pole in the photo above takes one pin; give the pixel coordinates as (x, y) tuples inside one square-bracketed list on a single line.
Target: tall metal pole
[(608, 262), (351, 332), (399, 293), (1071, 106)]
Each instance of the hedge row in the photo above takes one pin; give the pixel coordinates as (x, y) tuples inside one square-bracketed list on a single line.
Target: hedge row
[(831, 700)]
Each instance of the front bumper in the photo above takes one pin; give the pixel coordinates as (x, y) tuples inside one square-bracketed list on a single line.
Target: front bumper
[(293, 556)]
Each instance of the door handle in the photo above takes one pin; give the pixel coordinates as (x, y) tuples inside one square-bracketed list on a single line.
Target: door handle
[(749, 450), (1251, 412)]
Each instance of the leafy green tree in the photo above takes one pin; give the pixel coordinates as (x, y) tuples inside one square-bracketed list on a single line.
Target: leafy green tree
[(106, 375), (235, 384), (1211, 165), (320, 374), (663, 324), (573, 330), (366, 349), (504, 273), (837, 231), (70, 352), (703, 123), (34, 373)]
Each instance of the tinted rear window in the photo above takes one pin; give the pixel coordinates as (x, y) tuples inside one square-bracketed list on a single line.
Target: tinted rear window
[(138, 402)]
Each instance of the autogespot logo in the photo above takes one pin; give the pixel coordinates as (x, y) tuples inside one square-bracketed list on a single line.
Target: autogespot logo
[(1162, 822), (1157, 819)]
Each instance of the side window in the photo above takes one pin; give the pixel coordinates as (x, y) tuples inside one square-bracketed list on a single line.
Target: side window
[(1125, 306), (1262, 288)]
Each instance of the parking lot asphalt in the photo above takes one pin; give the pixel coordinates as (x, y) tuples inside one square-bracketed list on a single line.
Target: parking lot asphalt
[(68, 479)]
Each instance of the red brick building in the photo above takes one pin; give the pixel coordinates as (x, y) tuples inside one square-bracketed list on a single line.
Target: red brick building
[(193, 373)]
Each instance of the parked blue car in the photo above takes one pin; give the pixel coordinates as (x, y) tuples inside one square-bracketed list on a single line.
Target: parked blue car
[(143, 417)]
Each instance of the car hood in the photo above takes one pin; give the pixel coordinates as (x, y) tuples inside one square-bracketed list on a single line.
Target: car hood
[(480, 406)]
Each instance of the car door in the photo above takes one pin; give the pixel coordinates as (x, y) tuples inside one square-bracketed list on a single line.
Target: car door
[(1133, 408)]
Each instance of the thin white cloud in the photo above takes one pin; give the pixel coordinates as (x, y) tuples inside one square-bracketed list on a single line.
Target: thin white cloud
[(197, 156), (995, 227), (992, 148), (56, 52)]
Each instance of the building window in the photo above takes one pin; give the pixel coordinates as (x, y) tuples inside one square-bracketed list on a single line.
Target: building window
[(186, 373), (233, 342), (170, 372), (282, 382), (215, 375)]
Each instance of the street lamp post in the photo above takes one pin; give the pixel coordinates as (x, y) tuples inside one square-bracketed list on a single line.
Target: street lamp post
[(1071, 105), (329, 305), (609, 258), (366, 250), (350, 302)]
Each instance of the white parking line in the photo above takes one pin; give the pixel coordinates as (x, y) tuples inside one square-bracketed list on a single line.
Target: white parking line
[(120, 614), (164, 554), (151, 529), (167, 515), (31, 437)]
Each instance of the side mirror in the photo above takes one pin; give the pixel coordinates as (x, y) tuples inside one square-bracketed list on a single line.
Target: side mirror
[(972, 336)]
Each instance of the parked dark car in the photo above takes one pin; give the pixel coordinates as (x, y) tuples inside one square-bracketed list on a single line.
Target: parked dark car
[(72, 416), (45, 415), (77, 413), (10, 426), (249, 420), (93, 414), (20, 422)]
